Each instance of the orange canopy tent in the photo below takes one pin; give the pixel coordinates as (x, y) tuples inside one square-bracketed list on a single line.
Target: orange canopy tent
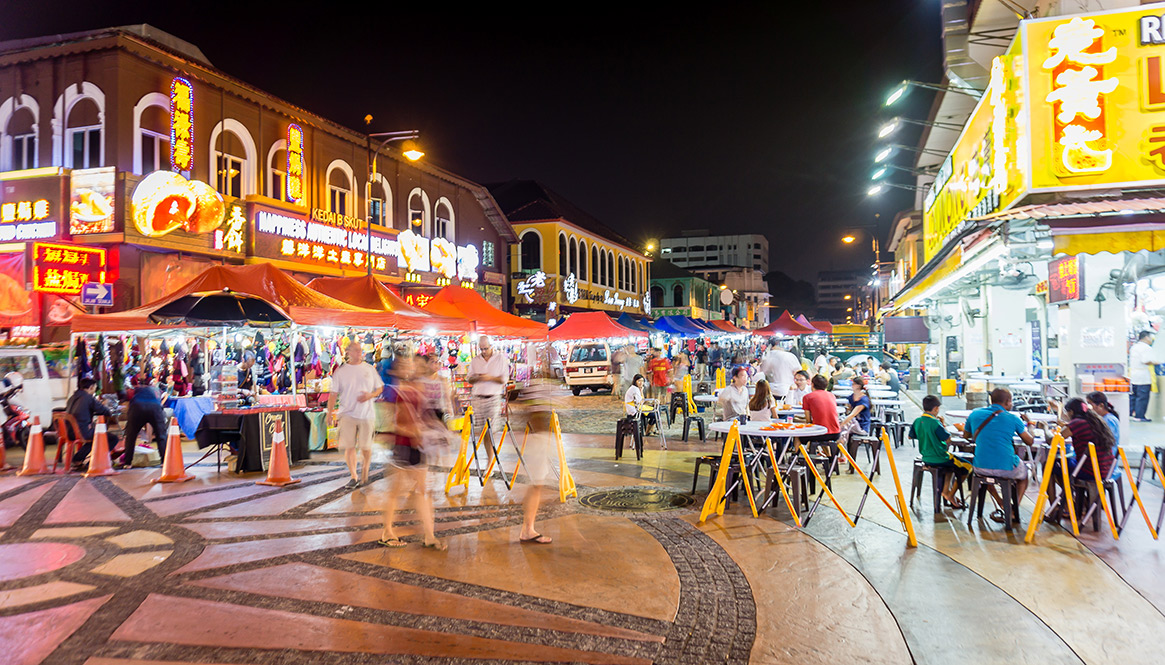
[(591, 325), (785, 325), (260, 280), (727, 327), (367, 292), (458, 301)]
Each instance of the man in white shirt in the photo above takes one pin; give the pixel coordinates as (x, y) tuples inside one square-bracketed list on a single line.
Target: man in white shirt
[(355, 384), (1141, 376), (488, 373), (821, 364), (733, 399), (779, 366)]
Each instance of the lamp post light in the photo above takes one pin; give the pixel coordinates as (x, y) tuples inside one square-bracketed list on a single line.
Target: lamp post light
[(886, 152), (896, 123), (409, 149), (904, 87)]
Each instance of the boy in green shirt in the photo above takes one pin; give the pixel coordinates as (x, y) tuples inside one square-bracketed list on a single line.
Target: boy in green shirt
[(932, 436)]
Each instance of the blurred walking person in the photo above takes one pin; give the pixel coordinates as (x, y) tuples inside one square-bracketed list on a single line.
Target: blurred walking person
[(488, 373), (355, 384), (536, 402), (418, 435)]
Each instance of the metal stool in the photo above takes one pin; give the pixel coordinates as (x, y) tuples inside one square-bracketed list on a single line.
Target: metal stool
[(1007, 494)]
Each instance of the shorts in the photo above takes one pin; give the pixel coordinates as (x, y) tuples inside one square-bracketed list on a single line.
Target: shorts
[(355, 433), (1020, 472), (406, 455)]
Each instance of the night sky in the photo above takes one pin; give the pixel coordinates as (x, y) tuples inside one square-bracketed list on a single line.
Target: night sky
[(749, 117)]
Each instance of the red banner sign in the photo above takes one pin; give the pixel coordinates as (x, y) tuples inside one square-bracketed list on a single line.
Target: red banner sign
[(1064, 280), (65, 269)]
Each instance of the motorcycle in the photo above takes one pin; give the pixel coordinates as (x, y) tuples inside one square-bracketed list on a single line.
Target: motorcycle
[(16, 417)]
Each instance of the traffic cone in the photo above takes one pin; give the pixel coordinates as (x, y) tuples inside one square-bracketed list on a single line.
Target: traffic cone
[(99, 462), (34, 463), (173, 468), (278, 471)]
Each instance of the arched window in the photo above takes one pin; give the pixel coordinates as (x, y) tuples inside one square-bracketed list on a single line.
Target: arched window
[(151, 119), (380, 201), (79, 117), (657, 296), (622, 274), (611, 269), (341, 188), (233, 157), (595, 270), (582, 263), (443, 220), (678, 296), (602, 269), (562, 257), (640, 281), (419, 211), (19, 118), (574, 255), (531, 252), (277, 170)]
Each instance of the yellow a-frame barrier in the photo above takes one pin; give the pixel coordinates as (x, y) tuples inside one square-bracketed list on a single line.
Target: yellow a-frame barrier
[(716, 498), (1136, 491), (686, 386), (902, 512), (459, 474), (1056, 454), (720, 383), (566, 485)]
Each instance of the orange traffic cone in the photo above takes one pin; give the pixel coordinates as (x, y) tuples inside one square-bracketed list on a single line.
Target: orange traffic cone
[(99, 459), (173, 469), (34, 463), (278, 471)]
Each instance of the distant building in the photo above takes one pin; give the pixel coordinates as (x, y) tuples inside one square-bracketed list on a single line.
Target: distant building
[(678, 292), (567, 258), (699, 249), (750, 298), (839, 293)]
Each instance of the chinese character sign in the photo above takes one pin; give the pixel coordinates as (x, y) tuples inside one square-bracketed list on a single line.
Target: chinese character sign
[(181, 125), (295, 176), (1075, 62), (1064, 280), (64, 269)]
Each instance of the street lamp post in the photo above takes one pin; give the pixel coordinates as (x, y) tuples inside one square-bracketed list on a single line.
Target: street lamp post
[(411, 152), (876, 282)]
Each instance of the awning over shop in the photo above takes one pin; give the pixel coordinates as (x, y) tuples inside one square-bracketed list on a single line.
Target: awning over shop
[(727, 327), (591, 325), (679, 325), (701, 323), (823, 326), (785, 325), (458, 301)]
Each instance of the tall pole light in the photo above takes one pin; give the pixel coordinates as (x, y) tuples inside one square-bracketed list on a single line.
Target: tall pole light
[(904, 87), (409, 149)]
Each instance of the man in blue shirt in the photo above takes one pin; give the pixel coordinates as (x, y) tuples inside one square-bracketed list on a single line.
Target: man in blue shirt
[(145, 408), (993, 428)]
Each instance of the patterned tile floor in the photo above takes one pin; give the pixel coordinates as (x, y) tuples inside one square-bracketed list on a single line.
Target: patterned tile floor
[(121, 571)]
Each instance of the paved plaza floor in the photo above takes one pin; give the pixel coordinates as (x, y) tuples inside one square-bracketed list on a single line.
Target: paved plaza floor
[(121, 571)]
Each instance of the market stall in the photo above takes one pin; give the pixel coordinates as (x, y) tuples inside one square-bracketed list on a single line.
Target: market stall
[(786, 325), (592, 325)]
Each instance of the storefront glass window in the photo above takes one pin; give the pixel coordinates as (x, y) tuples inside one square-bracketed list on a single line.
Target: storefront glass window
[(230, 175), (531, 252), (24, 152), (562, 258)]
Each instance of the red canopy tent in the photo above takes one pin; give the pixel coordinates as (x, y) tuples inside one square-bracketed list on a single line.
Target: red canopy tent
[(785, 325), (824, 326), (727, 327), (370, 293), (458, 301), (800, 318), (261, 280), (591, 325)]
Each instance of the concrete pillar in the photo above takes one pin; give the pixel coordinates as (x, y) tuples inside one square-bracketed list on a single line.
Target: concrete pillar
[(1005, 323)]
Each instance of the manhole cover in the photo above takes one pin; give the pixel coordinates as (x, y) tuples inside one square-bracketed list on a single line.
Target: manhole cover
[(637, 500)]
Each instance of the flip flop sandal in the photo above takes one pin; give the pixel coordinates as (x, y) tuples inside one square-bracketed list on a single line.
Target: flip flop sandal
[(536, 540), (436, 545), (997, 516), (394, 543)]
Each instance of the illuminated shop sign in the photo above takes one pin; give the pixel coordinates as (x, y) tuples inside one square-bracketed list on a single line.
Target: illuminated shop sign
[(295, 174), (64, 269), (181, 124), (30, 205), (91, 206), (164, 202), (533, 287), (1064, 277), (230, 236), (570, 289), (617, 300), (420, 254), (280, 235)]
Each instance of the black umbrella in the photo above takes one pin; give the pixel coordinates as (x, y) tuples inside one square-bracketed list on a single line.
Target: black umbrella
[(223, 308)]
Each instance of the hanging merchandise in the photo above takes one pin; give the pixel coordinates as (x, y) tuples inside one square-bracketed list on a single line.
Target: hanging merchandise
[(197, 387), (117, 366), (97, 362)]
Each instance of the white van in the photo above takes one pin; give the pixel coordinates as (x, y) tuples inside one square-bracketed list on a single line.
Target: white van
[(46, 382), (589, 366)]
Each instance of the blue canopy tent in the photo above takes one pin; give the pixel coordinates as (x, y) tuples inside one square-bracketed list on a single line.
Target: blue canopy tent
[(679, 325), (706, 326), (628, 321), (643, 320)]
